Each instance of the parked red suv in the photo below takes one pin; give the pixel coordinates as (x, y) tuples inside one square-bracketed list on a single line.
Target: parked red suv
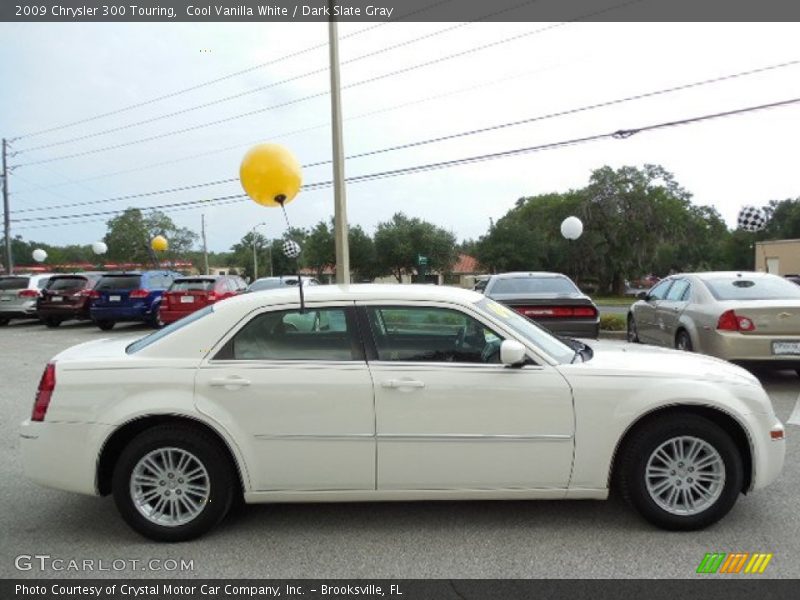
[(188, 294), (66, 297)]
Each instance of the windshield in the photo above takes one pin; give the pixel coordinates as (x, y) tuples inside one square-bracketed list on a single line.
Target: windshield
[(528, 329), (756, 288), (171, 328), (534, 285)]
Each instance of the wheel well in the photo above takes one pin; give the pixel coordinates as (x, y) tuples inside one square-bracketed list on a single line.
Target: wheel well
[(122, 436), (723, 420)]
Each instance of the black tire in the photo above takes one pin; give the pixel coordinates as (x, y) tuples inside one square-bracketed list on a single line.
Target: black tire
[(52, 322), (644, 442), (155, 321), (633, 333), (683, 341), (106, 325), (210, 453), (4, 322)]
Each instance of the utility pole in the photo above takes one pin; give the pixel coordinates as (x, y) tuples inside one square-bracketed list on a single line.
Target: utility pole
[(205, 248), (339, 193), (6, 213)]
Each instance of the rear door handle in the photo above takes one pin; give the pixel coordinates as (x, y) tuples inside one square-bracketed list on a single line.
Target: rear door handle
[(402, 383), (229, 382)]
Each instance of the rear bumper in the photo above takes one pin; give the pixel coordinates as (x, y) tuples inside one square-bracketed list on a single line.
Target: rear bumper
[(170, 316), (18, 310), (572, 327), (63, 312), (737, 347), (62, 455), (121, 313)]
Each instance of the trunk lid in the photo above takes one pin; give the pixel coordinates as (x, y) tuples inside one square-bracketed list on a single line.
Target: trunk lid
[(770, 317)]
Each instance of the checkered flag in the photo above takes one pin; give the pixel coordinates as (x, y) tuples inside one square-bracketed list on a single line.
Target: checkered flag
[(752, 218), (291, 249)]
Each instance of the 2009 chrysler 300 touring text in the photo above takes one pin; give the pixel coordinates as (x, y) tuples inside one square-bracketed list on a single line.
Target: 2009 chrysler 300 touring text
[(391, 393)]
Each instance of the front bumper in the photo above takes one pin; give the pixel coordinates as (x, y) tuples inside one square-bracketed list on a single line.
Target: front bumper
[(62, 455), (768, 454)]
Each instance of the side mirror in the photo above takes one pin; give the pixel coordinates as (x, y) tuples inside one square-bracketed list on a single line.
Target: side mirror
[(512, 353), (643, 296)]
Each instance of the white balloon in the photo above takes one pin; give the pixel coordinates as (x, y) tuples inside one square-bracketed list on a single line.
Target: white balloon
[(571, 228), (99, 248), (39, 255)]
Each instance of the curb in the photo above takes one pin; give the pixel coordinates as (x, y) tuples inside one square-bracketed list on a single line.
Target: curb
[(613, 335)]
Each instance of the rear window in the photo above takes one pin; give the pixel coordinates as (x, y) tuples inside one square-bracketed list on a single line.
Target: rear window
[(118, 282), (757, 288), (192, 285), (66, 283), (534, 285), (13, 283), (171, 328)]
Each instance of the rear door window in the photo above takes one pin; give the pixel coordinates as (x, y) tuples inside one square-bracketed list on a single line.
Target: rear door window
[(118, 282), (325, 334), (679, 291), (659, 292)]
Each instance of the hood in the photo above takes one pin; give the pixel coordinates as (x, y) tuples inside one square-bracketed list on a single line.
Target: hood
[(623, 359)]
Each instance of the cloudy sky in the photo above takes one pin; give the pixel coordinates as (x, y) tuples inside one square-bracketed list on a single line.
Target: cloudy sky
[(56, 74)]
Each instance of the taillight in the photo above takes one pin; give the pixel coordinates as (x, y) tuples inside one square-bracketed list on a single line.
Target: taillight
[(28, 294), (730, 321), (89, 294), (46, 386), (139, 294), (556, 312), (212, 296)]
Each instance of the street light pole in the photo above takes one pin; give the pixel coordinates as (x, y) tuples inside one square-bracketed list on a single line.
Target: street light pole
[(340, 199)]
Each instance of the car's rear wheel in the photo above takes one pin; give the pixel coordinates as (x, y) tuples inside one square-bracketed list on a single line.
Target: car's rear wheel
[(682, 472), (4, 322), (683, 341), (52, 322), (155, 321), (633, 334), (173, 483), (106, 325)]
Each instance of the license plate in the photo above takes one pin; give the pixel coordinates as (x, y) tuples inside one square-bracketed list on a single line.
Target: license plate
[(792, 347), (187, 299), (57, 299), (114, 298), (5, 299)]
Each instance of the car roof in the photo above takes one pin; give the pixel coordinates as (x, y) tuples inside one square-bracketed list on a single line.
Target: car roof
[(520, 274), (214, 277), (363, 292), (706, 275)]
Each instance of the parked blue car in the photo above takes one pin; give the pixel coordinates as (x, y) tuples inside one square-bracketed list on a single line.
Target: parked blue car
[(133, 296)]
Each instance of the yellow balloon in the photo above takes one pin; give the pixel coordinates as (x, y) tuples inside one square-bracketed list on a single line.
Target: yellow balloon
[(159, 243), (270, 175)]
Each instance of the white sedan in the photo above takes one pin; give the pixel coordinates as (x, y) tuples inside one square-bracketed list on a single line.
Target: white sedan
[(391, 393)]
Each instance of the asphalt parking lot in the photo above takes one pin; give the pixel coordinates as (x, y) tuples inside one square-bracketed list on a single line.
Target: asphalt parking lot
[(392, 540)]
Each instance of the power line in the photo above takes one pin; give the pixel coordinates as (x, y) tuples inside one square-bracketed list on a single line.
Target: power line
[(325, 93), (270, 85), (616, 134), (499, 126), (225, 77)]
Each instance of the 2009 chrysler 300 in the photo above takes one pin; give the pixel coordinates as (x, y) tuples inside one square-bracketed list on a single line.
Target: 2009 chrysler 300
[(392, 393)]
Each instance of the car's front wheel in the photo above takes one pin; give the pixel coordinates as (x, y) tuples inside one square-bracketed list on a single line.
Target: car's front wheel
[(683, 341), (682, 472), (4, 322), (106, 325), (633, 334), (173, 483)]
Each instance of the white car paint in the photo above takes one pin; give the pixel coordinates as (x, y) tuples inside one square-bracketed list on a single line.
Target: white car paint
[(337, 430)]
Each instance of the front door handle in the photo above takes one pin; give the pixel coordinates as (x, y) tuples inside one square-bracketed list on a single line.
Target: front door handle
[(402, 383), (229, 382)]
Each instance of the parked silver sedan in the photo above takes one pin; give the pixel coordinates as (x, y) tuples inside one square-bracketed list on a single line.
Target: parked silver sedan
[(743, 317), (18, 295)]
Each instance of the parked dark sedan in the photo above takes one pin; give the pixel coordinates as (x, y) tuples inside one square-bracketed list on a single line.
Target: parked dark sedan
[(66, 297), (550, 299)]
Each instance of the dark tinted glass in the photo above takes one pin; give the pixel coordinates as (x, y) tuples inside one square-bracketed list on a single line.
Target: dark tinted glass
[(13, 283), (66, 283), (534, 285), (119, 282)]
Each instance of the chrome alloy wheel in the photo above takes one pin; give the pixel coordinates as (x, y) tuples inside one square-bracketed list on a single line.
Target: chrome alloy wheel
[(685, 475), (170, 486)]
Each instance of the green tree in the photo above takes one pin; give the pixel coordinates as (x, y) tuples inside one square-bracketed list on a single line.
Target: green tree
[(319, 250), (399, 242), (363, 257), (241, 255), (129, 235)]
